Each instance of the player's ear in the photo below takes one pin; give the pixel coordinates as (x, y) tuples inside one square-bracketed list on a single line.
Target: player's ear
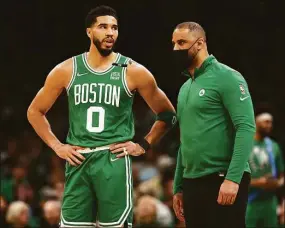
[(88, 32)]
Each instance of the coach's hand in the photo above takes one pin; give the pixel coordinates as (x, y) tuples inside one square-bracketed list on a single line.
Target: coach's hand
[(228, 192), (128, 148), (69, 153), (178, 206)]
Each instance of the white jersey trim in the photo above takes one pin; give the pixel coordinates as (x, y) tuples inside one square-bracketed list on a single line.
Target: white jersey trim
[(74, 69), (64, 223), (89, 68), (124, 79)]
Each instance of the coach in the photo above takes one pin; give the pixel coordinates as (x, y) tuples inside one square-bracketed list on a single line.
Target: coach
[(217, 127)]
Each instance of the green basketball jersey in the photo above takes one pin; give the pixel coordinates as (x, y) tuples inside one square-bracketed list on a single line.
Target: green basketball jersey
[(259, 159), (260, 165), (100, 104)]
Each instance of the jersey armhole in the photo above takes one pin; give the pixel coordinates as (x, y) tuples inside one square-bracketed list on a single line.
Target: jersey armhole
[(74, 69), (124, 79)]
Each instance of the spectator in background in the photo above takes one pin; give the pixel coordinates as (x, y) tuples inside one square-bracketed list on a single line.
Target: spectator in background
[(267, 169), (151, 178), (153, 191), (167, 186), (3, 209), (53, 192), (18, 214), (59, 189), (8, 156), (39, 162), (150, 212), (17, 187), (51, 210), (281, 213)]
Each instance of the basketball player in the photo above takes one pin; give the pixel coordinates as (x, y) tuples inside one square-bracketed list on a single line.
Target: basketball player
[(100, 85), (267, 172)]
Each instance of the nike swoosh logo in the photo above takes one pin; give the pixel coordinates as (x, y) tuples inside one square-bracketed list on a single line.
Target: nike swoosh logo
[(78, 74), (243, 98), (112, 160)]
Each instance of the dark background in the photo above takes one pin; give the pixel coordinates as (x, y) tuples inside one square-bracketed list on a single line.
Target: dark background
[(247, 35)]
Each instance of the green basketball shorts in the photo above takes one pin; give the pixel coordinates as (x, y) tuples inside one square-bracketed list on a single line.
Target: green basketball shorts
[(98, 191)]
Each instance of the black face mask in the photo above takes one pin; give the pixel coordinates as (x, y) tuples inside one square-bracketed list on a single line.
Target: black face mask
[(182, 59)]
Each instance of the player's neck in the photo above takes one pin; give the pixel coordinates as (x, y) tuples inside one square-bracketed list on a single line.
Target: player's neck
[(198, 61), (97, 61)]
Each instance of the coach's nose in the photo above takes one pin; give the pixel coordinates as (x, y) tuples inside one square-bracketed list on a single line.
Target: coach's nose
[(176, 47)]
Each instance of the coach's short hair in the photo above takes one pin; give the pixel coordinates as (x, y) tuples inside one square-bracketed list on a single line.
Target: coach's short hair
[(91, 17), (193, 27), (14, 211)]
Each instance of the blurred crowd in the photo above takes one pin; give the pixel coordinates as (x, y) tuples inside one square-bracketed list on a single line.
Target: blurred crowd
[(32, 183)]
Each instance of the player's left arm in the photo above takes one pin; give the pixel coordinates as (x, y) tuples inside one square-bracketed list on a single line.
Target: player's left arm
[(141, 80), (237, 101)]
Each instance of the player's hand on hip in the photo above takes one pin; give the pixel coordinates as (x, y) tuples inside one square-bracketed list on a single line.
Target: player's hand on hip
[(228, 192), (127, 148), (178, 206), (69, 153)]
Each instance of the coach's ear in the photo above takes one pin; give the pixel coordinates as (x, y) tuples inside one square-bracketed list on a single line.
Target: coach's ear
[(88, 32), (200, 43)]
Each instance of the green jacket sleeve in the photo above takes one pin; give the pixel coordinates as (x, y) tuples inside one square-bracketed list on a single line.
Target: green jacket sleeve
[(177, 185), (237, 101)]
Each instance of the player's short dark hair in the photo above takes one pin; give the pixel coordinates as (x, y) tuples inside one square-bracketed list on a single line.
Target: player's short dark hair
[(103, 10), (193, 27)]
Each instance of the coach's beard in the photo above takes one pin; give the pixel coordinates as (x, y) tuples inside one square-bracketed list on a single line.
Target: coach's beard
[(103, 52)]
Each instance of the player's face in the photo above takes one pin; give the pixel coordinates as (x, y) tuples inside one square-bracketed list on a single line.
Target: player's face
[(104, 34), (264, 127)]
